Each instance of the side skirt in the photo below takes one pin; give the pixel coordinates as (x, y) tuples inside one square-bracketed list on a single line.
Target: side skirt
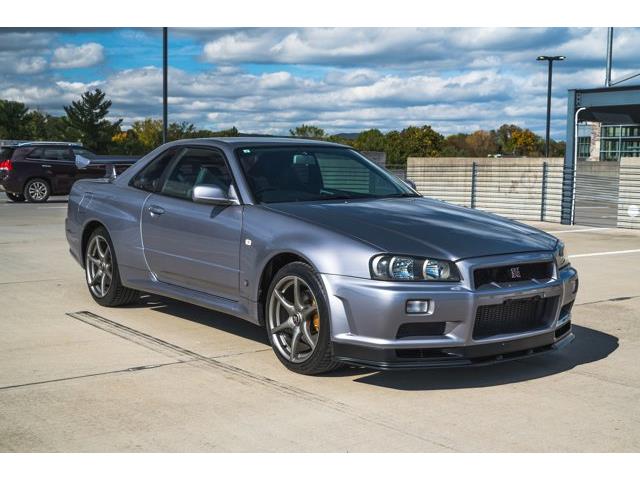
[(242, 309)]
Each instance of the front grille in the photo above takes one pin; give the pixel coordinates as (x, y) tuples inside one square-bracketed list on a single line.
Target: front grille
[(421, 329), (513, 273), (513, 316)]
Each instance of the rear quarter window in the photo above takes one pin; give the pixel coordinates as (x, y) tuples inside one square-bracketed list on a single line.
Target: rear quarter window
[(6, 153)]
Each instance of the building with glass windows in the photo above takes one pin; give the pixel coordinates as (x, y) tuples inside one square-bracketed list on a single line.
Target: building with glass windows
[(604, 142)]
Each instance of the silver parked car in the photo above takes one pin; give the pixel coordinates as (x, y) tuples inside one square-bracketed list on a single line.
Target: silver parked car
[(341, 261)]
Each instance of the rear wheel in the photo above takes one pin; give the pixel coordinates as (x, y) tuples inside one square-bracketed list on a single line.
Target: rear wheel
[(15, 197), (297, 320), (37, 190), (102, 274)]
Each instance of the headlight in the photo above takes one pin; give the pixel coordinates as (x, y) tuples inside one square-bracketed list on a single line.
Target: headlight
[(401, 267), (562, 259)]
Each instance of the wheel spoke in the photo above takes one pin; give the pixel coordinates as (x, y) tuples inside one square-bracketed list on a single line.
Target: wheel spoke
[(283, 326), (295, 340), (98, 249), (306, 336), (297, 301), (102, 282), (283, 301), (93, 260), (95, 280)]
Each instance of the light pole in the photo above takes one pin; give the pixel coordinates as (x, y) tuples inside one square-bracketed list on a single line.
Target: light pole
[(550, 60), (165, 67)]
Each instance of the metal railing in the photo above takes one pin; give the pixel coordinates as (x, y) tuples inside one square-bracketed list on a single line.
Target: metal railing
[(515, 190)]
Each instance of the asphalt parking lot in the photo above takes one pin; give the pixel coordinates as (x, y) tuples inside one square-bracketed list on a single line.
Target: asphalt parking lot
[(166, 376)]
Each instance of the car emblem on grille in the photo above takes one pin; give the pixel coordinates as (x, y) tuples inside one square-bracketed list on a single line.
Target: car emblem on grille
[(515, 272)]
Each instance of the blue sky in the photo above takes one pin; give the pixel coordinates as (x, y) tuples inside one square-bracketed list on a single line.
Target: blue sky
[(342, 79)]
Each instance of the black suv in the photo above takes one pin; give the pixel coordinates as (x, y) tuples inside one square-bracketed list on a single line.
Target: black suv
[(34, 171)]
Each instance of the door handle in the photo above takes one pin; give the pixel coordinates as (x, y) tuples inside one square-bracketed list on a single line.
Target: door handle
[(46, 166), (156, 210)]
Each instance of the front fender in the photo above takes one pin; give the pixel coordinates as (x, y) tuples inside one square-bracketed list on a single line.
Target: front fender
[(267, 234)]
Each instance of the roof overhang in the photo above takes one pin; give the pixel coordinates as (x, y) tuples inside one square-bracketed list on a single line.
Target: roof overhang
[(617, 105)]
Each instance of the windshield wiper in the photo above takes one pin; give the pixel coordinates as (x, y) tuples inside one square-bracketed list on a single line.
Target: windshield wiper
[(401, 195)]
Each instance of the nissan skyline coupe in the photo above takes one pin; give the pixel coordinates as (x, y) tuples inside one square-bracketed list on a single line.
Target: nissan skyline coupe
[(339, 260)]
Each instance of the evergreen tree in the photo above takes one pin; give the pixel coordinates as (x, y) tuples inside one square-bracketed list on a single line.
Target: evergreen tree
[(87, 115)]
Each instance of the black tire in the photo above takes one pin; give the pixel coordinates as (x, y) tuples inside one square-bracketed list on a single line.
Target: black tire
[(117, 294), (37, 190), (321, 359), (18, 198)]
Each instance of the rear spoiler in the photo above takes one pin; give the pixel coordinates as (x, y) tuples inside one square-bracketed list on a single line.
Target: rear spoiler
[(110, 162)]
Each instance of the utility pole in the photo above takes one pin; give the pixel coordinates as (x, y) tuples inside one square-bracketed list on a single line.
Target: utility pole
[(165, 66), (607, 80)]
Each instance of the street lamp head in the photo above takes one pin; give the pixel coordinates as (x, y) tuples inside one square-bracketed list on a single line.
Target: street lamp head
[(558, 58)]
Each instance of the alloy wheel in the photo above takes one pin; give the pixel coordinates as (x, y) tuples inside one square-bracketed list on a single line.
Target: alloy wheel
[(99, 266), (293, 319), (38, 190)]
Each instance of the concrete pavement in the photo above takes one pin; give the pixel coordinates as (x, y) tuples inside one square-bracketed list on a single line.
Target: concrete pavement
[(166, 376)]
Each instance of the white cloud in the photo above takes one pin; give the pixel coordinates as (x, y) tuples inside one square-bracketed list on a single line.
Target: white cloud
[(30, 65), (339, 79), (78, 56)]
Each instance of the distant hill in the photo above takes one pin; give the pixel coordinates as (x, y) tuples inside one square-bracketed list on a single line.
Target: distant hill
[(348, 136)]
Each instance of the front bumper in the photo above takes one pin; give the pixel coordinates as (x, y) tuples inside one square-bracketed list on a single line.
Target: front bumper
[(366, 316)]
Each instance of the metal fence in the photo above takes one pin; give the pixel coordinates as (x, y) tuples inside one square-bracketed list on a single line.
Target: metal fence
[(518, 190), (605, 194)]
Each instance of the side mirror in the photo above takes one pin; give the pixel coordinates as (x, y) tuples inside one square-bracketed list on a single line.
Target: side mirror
[(410, 183), (82, 162), (214, 195)]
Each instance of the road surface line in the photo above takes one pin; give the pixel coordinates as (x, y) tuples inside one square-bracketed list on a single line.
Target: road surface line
[(597, 254), (595, 229)]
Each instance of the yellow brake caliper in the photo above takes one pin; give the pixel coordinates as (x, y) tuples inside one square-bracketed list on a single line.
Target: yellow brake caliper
[(315, 319)]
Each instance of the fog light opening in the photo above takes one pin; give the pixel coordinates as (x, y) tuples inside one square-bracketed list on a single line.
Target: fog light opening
[(417, 307)]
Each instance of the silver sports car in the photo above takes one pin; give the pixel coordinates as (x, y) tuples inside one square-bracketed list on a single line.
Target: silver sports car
[(341, 261)]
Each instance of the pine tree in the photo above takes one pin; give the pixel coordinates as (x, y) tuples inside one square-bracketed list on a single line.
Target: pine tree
[(87, 116)]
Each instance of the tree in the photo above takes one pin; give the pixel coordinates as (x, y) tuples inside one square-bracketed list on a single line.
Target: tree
[(525, 142), (481, 143), (504, 136), (412, 141), (557, 149), (12, 117), (370, 141), (87, 115), (148, 132), (127, 143), (307, 131), (455, 145)]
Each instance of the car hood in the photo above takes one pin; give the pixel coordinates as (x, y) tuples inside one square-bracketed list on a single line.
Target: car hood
[(421, 226)]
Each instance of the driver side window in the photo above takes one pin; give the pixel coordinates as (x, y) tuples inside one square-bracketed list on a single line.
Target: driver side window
[(149, 178), (196, 166)]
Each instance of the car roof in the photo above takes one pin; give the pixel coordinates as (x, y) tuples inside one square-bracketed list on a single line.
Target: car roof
[(258, 141), (42, 143)]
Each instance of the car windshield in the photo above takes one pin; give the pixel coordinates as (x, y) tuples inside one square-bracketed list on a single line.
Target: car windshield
[(307, 173)]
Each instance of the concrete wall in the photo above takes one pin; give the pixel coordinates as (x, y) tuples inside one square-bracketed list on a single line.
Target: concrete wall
[(629, 193), (512, 187)]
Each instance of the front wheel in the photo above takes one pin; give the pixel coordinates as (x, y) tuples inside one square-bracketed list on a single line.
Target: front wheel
[(102, 274), (15, 197), (297, 320)]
